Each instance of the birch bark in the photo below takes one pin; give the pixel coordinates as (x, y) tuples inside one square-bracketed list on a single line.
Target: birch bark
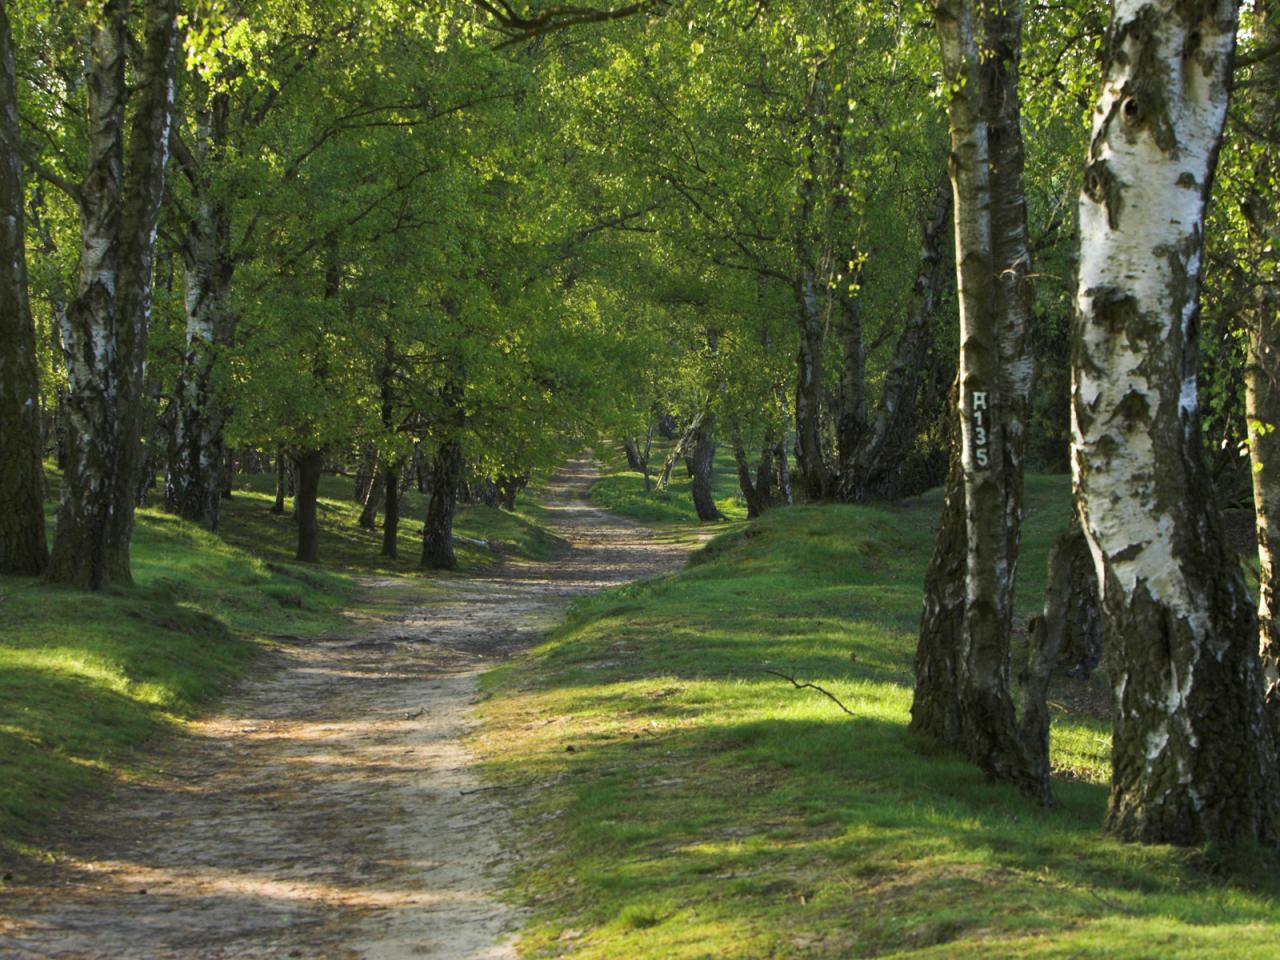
[(23, 548), (105, 328), (965, 649), (1193, 760)]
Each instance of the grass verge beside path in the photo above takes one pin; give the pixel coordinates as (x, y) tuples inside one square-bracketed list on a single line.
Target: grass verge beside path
[(621, 490), (86, 679), (675, 801)]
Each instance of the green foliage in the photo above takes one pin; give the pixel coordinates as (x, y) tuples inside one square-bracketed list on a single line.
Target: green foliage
[(709, 809)]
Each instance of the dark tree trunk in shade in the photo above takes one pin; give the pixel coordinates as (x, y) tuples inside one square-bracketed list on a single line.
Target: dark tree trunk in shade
[(633, 454), (815, 477), (437, 531), (873, 450), (1067, 636), (703, 457), (754, 491), (23, 548), (193, 484), (391, 510), (309, 465), (375, 491), (282, 482), (782, 460)]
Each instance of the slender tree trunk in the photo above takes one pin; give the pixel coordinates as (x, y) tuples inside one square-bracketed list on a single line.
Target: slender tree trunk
[(391, 513), (376, 491), (1262, 371), (783, 460), (437, 532), (851, 418), (23, 548), (282, 482), (308, 465), (633, 453), (756, 503), (704, 450), (105, 337), (678, 451), (815, 478), (980, 55), (872, 455), (193, 483), (1193, 759)]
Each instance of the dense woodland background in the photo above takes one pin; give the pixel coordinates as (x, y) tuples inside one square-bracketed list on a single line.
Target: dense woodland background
[(444, 246)]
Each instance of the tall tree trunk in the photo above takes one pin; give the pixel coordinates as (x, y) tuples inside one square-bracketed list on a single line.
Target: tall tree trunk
[(678, 452), (23, 548), (282, 482), (309, 465), (633, 453), (851, 416), (391, 512), (105, 337), (815, 478), (1193, 759), (980, 55), (704, 450), (1262, 371), (374, 493), (783, 461), (437, 531), (756, 502), (872, 456), (192, 484)]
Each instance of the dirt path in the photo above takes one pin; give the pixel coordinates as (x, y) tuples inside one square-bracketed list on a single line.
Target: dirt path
[(330, 810)]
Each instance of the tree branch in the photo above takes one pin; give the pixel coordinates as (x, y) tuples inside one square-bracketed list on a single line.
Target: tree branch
[(812, 686)]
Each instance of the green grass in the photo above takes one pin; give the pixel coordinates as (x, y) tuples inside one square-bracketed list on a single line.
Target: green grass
[(621, 489), (344, 545), (87, 678), (707, 809)]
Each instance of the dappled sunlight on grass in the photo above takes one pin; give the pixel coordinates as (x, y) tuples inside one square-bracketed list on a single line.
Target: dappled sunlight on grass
[(704, 807)]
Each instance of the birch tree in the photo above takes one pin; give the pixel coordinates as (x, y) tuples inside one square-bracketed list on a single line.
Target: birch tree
[(23, 548), (105, 327), (962, 661), (1193, 760)]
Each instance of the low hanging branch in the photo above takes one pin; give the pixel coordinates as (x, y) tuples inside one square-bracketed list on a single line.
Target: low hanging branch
[(811, 686), (522, 26)]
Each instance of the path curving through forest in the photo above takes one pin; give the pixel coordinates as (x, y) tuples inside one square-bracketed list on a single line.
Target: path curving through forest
[(330, 809)]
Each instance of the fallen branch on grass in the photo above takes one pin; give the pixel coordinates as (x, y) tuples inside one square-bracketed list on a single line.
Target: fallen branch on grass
[(811, 686)]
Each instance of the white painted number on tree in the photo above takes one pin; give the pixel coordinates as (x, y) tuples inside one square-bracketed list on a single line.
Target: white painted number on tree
[(978, 420)]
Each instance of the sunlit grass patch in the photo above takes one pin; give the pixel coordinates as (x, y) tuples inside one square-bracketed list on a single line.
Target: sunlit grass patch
[(681, 801)]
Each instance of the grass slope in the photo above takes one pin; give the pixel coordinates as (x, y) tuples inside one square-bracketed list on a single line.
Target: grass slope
[(621, 489), (87, 678), (678, 802), (345, 546)]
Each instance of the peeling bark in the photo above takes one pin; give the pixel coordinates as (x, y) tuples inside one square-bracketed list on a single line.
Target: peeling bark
[(1193, 760), (195, 441), (105, 332), (23, 548), (981, 49)]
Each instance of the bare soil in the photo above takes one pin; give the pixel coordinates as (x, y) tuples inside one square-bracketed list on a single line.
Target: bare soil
[(330, 809)]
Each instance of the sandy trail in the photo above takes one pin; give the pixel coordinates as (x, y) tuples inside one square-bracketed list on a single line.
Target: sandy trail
[(330, 809)]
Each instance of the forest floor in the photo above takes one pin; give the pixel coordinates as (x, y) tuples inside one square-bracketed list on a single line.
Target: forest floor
[(331, 806)]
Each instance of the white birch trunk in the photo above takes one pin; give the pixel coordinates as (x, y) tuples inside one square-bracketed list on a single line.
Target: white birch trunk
[(1192, 759)]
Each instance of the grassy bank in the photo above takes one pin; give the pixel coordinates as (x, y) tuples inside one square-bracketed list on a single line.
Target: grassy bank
[(87, 679), (622, 490), (483, 534), (678, 801)]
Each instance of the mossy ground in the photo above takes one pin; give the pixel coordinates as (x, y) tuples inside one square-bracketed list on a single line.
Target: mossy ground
[(677, 801)]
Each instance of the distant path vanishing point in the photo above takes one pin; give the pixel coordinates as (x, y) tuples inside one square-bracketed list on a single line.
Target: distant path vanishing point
[(330, 809)]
